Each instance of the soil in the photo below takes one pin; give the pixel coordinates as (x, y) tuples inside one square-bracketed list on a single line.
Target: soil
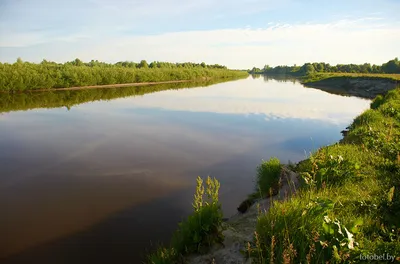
[(361, 86)]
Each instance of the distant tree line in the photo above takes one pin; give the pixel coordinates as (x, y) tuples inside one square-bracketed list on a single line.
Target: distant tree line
[(20, 76), (392, 66)]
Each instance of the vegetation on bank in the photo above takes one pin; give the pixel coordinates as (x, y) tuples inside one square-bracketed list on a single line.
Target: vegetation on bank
[(339, 75), (23, 76), (349, 204), (391, 67), (335, 75), (56, 98), (267, 183), (199, 231)]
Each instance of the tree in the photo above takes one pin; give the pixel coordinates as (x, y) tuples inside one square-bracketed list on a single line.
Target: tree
[(266, 68), (77, 62), (320, 67), (143, 64), (391, 66)]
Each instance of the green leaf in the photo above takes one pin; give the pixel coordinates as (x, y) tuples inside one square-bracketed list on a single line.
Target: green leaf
[(328, 229), (391, 194), (356, 224)]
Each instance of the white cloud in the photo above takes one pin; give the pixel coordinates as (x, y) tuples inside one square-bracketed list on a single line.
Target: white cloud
[(334, 42), (344, 41), (275, 100)]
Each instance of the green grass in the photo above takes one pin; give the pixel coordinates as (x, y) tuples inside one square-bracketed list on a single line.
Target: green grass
[(349, 203), (268, 175), (334, 75), (267, 183), (199, 231)]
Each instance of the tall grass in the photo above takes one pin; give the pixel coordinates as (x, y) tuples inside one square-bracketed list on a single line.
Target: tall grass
[(267, 182), (199, 231), (268, 175)]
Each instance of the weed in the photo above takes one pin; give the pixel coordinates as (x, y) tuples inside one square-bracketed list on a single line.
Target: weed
[(200, 230)]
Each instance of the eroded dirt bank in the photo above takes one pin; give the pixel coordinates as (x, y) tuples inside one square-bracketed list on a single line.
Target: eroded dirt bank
[(360, 86)]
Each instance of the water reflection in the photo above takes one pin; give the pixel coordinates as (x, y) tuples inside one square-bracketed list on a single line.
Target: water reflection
[(67, 99), (276, 77), (276, 100), (93, 183)]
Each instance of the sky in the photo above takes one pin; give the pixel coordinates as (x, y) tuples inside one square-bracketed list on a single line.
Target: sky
[(237, 33)]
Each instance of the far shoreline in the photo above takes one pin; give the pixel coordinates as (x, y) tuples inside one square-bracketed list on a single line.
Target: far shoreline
[(103, 86)]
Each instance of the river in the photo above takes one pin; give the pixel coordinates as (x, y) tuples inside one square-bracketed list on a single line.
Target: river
[(103, 181)]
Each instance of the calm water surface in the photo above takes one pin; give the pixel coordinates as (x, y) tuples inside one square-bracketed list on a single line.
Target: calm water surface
[(98, 183)]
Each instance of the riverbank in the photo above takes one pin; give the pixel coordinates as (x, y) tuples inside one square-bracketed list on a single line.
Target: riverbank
[(25, 76), (361, 85), (345, 206)]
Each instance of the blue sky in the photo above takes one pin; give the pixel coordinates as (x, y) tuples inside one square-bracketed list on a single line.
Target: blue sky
[(239, 34)]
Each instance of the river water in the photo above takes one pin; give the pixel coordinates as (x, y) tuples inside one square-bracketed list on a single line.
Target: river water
[(103, 181)]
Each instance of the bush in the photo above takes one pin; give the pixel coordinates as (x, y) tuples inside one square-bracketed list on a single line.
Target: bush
[(377, 102), (333, 165)]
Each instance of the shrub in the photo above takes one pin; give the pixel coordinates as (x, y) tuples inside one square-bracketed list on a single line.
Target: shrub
[(268, 175), (377, 102)]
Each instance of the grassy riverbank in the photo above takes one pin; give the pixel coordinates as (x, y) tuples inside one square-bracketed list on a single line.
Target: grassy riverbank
[(371, 76), (347, 207), (350, 200), (24, 76)]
